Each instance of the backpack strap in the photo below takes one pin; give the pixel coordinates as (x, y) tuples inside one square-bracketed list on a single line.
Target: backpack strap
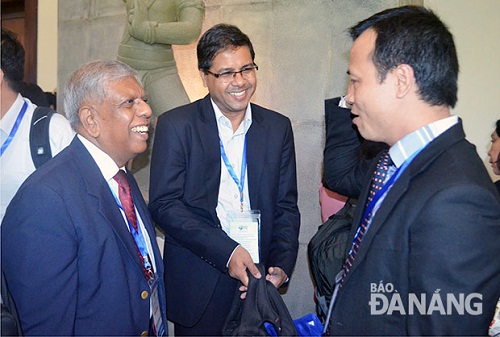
[(39, 136)]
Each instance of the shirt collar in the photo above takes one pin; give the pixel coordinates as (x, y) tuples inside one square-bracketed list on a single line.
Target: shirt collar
[(223, 121), (413, 142), (105, 163), (8, 120)]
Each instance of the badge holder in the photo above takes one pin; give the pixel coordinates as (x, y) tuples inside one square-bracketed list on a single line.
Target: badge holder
[(159, 325), (244, 228)]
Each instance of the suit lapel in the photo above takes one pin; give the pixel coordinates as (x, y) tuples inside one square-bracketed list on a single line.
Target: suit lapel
[(256, 155), (106, 204), (256, 144), (209, 134), (391, 200), (143, 211), (115, 220), (418, 165)]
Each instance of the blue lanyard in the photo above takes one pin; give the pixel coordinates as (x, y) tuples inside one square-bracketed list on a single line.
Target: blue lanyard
[(19, 118), (382, 192), (138, 237), (239, 182)]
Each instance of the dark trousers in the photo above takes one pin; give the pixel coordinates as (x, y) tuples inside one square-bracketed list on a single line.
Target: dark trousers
[(212, 320)]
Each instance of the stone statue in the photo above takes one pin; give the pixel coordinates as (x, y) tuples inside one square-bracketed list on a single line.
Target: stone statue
[(153, 26)]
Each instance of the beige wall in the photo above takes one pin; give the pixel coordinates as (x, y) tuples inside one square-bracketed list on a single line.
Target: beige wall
[(47, 45), (473, 23), (476, 28)]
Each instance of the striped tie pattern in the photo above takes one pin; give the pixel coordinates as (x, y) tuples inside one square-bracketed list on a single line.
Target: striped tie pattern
[(377, 182), (125, 196)]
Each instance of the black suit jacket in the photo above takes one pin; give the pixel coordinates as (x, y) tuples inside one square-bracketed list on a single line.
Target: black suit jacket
[(185, 178), (69, 259), (436, 237)]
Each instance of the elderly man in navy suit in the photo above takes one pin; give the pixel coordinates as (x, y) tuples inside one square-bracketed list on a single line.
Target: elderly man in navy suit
[(78, 244), (222, 165), (424, 259)]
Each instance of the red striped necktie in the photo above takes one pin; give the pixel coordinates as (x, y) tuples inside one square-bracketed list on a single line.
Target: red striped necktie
[(125, 196)]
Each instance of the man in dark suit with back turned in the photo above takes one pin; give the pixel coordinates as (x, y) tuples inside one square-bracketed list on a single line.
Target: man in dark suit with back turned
[(79, 256), (214, 161), (425, 260)]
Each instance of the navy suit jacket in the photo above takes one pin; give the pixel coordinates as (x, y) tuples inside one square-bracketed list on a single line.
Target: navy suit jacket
[(185, 178), (68, 256), (435, 238)]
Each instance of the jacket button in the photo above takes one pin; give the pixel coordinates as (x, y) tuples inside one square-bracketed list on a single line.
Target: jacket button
[(144, 294), (144, 334)]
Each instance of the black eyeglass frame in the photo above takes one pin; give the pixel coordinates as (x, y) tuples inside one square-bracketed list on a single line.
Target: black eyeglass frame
[(233, 73)]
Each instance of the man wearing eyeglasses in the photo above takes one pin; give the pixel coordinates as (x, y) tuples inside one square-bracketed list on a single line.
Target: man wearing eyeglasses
[(223, 188)]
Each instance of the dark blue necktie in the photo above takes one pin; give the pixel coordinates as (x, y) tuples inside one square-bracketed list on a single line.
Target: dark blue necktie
[(378, 179)]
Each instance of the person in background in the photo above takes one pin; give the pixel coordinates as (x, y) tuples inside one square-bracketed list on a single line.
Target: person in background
[(424, 254), (51, 99), (330, 201), (78, 244), (16, 163), (494, 153), (35, 94), (222, 168)]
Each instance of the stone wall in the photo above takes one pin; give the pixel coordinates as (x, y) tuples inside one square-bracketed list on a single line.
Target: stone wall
[(302, 50)]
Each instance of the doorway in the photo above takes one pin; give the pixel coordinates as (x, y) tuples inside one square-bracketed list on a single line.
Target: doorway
[(21, 17)]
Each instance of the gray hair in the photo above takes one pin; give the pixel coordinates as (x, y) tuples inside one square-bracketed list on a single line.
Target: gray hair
[(88, 84)]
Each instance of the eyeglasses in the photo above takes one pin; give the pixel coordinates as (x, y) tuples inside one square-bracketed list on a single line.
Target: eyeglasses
[(227, 76)]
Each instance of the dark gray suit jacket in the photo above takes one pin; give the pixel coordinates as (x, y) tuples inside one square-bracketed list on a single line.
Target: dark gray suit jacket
[(436, 237), (185, 177)]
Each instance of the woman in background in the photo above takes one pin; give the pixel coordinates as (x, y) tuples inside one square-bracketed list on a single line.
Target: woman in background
[(494, 153)]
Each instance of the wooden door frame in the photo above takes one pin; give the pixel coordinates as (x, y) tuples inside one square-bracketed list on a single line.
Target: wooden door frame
[(28, 10), (31, 40)]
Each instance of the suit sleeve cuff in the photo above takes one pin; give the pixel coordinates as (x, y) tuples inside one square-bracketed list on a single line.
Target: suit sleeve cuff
[(231, 256)]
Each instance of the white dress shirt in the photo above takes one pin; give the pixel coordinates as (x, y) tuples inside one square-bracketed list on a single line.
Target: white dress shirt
[(229, 194), (108, 168), (410, 145), (16, 163)]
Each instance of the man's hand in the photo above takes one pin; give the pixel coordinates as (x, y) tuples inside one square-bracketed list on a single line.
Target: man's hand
[(276, 276), (239, 263)]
